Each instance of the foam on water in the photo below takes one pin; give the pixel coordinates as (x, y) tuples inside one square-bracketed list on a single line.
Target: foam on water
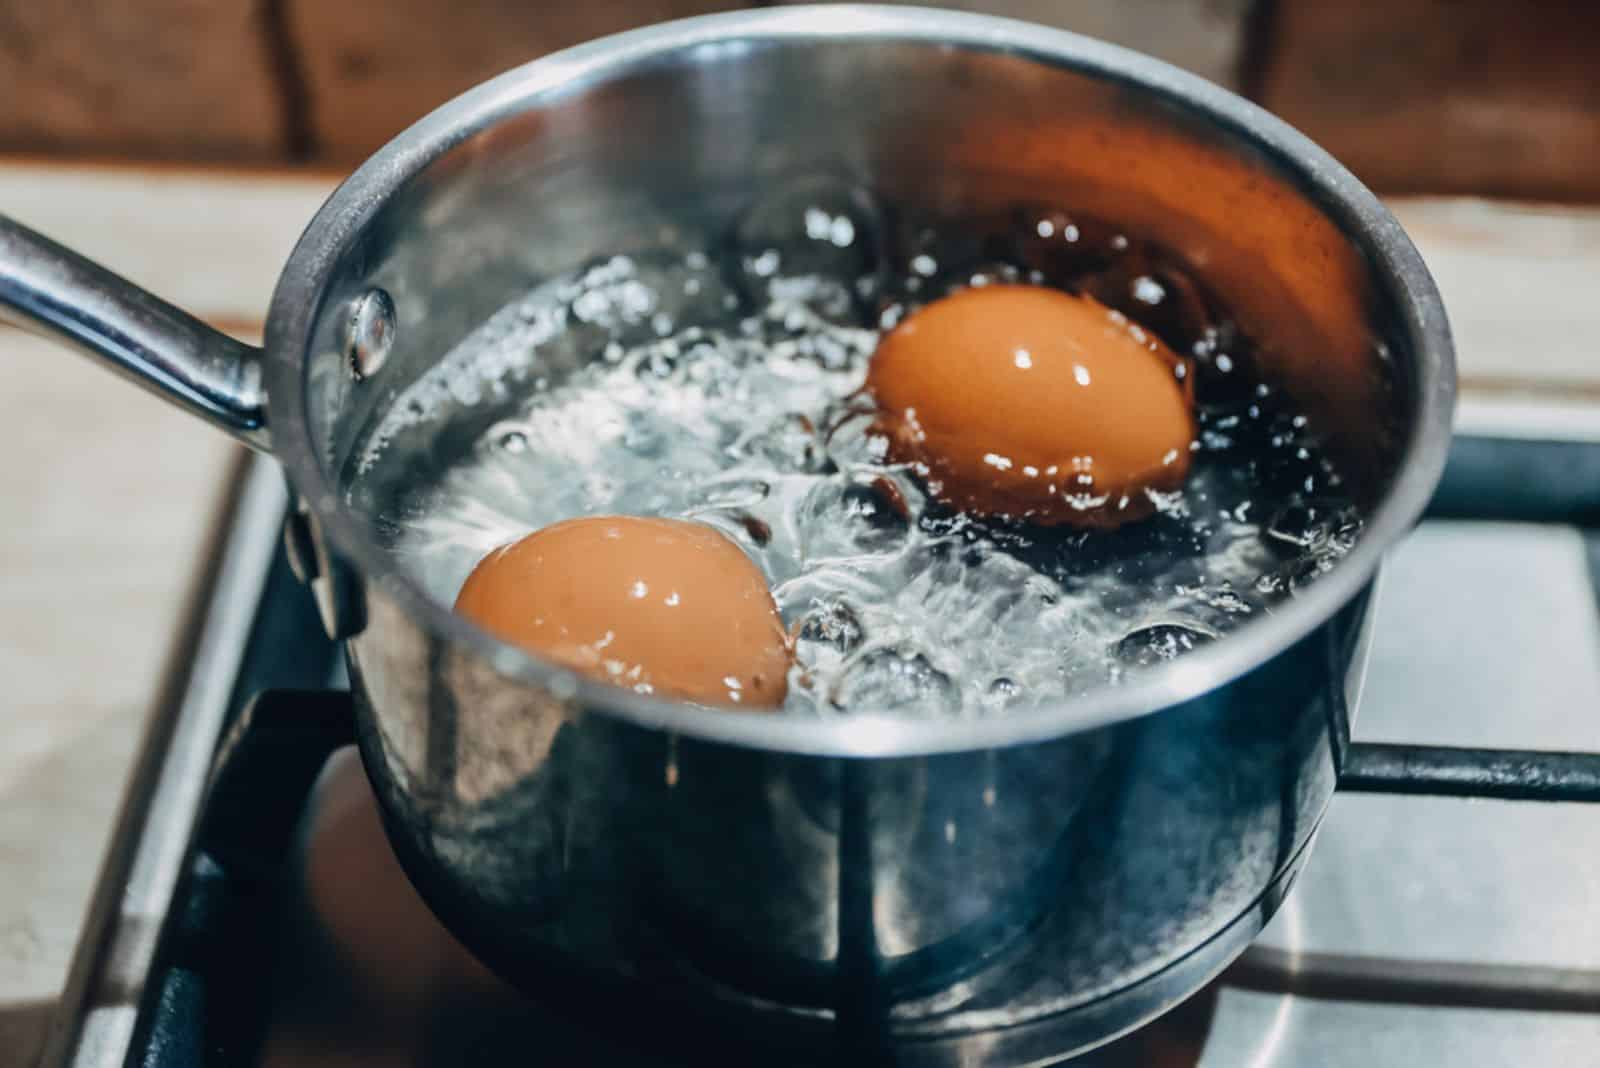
[(723, 387)]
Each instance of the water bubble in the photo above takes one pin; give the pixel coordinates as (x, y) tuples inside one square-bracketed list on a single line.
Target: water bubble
[(851, 440), (810, 243), (513, 441), (1225, 600), (805, 335), (729, 493), (828, 633), (642, 436), (852, 519), (1346, 532), (1064, 247), (885, 494), (1270, 584), (1147, 290), (1306, 570), (790, 444), (660, 361), (1302, 524), (1159, 643), (792, 297), (764, 264), (877, 503), (684, 292), (993, 274), (603, 303), (1003, 691), (895, 679)]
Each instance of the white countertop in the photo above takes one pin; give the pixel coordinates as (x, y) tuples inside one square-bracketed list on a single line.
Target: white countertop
[(109, 495)]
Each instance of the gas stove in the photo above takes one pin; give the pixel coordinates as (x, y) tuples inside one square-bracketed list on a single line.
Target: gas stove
[(264, 922)]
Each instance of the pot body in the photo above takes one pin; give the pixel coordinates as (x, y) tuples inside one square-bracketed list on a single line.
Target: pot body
[(1036, 898), (1057, 884)]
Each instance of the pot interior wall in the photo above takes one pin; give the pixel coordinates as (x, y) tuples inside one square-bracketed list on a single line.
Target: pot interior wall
[(672, 147)]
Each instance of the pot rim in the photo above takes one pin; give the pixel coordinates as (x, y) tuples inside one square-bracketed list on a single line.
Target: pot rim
[(1354, 208)]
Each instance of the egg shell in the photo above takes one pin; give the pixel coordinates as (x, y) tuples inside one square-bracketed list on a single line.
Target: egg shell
[(663, 606), (1030, 402)]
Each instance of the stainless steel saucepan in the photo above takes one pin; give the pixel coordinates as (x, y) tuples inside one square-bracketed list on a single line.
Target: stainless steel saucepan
[(866, 876)]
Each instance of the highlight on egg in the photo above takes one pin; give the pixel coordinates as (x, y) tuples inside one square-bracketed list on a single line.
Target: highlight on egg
[(1028, 402), (660, 606)]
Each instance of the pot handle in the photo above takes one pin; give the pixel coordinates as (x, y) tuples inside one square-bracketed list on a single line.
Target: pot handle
[(58, 293)]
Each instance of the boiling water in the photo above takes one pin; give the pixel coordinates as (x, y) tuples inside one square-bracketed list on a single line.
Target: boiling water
[(722, 385)]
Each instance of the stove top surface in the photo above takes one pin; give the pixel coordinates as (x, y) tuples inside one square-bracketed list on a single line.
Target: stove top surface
[(1423, 931)]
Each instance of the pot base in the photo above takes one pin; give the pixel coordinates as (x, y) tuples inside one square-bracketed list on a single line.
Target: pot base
[(682, 1013)]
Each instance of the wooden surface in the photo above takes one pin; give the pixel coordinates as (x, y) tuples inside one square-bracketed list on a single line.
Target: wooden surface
[(1445, 96), (190, 78), (1204, 36), (108, 493), (1420, 96), (297, 79), (371, 68)]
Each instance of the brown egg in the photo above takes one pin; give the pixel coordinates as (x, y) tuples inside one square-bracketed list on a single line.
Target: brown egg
[(1030, 402), (661, 606)]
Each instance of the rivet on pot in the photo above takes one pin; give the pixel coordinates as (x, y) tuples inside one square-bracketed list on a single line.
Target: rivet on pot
[(369, 335)]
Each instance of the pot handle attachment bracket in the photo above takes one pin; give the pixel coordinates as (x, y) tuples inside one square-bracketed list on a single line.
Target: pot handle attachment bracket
[(333, 584), (54, 291)]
